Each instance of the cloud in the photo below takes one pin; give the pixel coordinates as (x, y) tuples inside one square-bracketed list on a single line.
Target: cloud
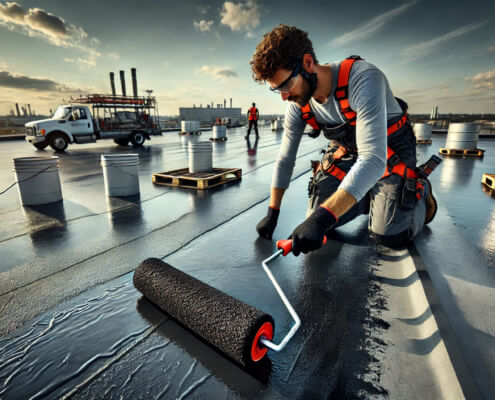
[(483, 80), (217, 72), (240, 16), (371, 26), (12, 12), (203, 10), (18, 81), (39, 23), (113, 56), (491, 49), (24, 82), (203, 25), (428, 46), (83, 63)]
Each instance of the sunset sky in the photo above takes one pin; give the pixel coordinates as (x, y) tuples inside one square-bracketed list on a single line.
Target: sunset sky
[(434, 53)]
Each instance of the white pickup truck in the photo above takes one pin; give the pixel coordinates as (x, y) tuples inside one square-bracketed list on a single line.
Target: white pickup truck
[(76, 124)]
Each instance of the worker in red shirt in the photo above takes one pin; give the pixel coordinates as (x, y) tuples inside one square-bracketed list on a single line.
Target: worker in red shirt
[(253, 116)]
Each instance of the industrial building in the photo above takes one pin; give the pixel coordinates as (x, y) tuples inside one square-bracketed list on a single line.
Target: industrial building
[(211, 113)]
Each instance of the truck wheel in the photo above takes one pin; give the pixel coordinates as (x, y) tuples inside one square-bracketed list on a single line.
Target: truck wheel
[(122, 141), (59, 142), (40, 146), (137, 139)]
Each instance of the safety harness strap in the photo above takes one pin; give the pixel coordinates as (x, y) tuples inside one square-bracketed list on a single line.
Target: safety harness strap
[(308, 117), (342, 91)]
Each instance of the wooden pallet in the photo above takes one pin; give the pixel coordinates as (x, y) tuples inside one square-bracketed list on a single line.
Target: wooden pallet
[(420, 141), (489, 181), (222, 139), (462, 152), (197, 180)]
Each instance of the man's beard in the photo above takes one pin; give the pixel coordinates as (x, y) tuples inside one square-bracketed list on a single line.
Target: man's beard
[(304, 97)]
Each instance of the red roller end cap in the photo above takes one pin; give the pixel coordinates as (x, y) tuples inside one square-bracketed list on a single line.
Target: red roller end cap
[(258, 351), (285, 245)]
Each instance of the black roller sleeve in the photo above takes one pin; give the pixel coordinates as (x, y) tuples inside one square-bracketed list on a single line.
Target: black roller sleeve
[(227, 323)]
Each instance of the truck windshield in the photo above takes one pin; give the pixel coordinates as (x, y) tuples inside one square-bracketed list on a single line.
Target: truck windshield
[(62, 112)]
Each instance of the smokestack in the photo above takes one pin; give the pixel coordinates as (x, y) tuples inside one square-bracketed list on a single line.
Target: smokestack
[(17, 107), (224, 103), (122, 81), (24, 113), (112, 83), (231, 102), (134, 81), (29, 109)]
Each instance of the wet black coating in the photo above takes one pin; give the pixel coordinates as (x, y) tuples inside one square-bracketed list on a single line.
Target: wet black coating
[(227, 323)]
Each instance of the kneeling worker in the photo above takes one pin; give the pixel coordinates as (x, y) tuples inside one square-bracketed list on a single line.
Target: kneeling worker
[(370, 163)]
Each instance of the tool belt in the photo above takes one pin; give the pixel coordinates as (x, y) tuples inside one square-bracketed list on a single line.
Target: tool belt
[(412, 188)]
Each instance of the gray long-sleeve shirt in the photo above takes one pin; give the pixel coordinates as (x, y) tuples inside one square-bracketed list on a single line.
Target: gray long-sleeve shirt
[(371, 98)]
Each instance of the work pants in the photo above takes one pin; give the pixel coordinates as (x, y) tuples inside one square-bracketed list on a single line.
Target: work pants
[(388, 223), (251, 124)]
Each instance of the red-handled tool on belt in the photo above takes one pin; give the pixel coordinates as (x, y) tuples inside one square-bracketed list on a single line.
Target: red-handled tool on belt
[(284, 247)]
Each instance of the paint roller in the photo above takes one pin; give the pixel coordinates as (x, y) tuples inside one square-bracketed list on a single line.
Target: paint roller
[(242, 332)]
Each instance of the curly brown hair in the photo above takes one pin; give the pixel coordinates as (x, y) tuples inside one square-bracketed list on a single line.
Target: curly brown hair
[(283, 47)]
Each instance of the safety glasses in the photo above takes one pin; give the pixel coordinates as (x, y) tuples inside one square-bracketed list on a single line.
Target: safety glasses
[(287, 85)]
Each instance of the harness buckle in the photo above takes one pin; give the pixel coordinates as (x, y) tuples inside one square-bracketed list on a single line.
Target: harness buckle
[(342, 92), (306, 116), (393, 160), (354, 57)]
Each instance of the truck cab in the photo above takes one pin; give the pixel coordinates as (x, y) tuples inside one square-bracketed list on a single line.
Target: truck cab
[(69, 124)]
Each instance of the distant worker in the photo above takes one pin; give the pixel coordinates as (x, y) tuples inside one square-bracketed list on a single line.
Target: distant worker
[(370, 164), (253, 116)]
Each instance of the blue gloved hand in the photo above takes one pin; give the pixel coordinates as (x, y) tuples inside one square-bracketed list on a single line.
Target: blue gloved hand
[(309, 235)]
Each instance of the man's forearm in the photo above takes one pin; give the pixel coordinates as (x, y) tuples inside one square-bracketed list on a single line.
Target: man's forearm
[(340, 202), (276, 197)]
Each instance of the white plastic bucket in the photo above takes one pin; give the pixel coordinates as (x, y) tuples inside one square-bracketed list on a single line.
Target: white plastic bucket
[(200, 156), (121, 174), (276, 125), (37, 180), (462, 136), (422, 131), (189, 126), (219, 131)]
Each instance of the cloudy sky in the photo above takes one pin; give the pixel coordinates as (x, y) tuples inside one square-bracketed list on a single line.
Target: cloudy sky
[(434, 52)]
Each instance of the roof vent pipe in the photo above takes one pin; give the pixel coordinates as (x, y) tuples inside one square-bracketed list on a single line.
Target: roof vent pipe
[(112, 83), (134, 82), (122, 81)]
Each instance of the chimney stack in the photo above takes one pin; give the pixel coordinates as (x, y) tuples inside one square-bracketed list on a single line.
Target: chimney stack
[(134, 82), (224, 103), (231, 102), (29, 109), (24, 113), (112, 83), (122, 81), (17, 108)]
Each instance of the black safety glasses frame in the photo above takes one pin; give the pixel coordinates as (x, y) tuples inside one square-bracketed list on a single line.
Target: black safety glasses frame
[(279, 88)]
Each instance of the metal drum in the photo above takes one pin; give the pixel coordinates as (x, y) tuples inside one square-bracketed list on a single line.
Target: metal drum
[(422, 131), (462, 136)]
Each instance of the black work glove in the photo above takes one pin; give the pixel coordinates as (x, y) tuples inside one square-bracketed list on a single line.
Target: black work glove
[(309, 235), (267, 225)]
